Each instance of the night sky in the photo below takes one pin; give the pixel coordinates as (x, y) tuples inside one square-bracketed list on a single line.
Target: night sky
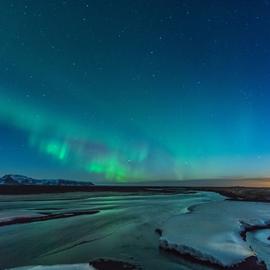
[(134, 90)]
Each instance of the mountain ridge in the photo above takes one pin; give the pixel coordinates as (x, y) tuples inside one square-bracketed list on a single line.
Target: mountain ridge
[(21, 180)]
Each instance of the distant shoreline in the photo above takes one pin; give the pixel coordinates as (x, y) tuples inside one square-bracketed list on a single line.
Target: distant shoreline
[(234, 193)]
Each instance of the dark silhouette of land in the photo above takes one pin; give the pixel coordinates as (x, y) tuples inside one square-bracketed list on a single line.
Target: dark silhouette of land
[(233, 193)]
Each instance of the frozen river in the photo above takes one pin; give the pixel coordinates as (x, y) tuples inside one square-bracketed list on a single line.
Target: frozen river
[(80, 227)]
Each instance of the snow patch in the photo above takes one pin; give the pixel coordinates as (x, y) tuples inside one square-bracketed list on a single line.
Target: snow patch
[(57, 267), (263, 236), (211, 231)]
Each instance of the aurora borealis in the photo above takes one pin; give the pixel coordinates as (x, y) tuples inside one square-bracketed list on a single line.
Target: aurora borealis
[(138, 90)]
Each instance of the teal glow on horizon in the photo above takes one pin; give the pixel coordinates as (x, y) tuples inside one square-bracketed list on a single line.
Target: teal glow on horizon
[(123, 91)]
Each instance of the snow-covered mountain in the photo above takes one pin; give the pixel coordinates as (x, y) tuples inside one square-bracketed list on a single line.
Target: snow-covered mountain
[(12, 179)]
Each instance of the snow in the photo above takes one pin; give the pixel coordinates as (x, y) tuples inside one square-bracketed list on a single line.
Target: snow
[(125, 227), (259, 242), (263, 236), (211, 231), (57, 267)]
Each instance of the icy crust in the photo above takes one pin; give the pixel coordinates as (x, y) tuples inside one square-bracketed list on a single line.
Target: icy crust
[(84, 266), (186, 250), (263, 236), (212, 232), (98, 264)]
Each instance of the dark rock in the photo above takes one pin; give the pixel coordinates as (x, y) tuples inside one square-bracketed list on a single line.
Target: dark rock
[(46, 216), (108, 264), (251, 263)]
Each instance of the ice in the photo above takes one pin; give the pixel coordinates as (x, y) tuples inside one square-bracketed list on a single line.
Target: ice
[(259, 241), (124, 228), (263, 236), (57, 267), (211, 232)]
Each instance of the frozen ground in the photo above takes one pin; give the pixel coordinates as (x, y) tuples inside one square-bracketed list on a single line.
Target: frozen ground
[(211, 231), (57, 267), (260, 241), (124, 229)]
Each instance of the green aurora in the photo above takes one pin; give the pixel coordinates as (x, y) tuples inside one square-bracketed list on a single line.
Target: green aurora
[(127, 91)]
